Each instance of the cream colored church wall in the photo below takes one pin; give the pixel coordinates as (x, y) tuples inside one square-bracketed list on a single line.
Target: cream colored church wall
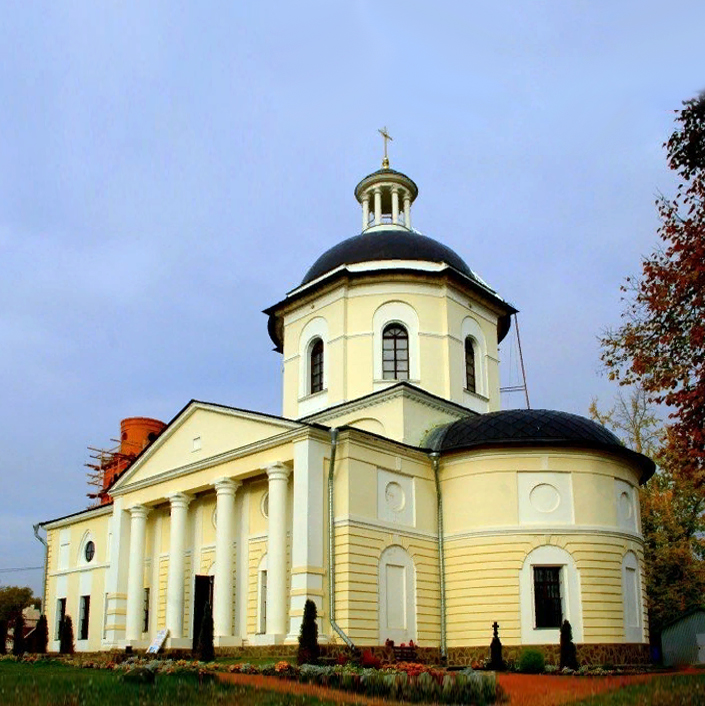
[(361, 536), (358, 552), (349, 313), (482, 585), (70, 576), (489, 534)]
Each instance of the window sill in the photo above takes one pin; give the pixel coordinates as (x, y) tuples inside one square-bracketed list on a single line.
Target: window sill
[(476, 395), (313, 396)]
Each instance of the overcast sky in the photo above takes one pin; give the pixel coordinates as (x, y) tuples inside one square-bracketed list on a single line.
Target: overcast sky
[(170, 169)]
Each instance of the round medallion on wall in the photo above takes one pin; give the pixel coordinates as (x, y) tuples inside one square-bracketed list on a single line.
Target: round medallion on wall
[(394, 497), (544, 498), (625, 505), (264, 505), (89, 551)]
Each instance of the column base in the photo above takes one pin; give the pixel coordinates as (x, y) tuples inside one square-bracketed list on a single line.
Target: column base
[(267, 639), (179, 643), (227, 641), (140, 644)]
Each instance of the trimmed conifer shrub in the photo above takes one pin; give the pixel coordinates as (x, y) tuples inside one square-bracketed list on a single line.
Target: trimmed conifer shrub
[(41, 635), (309, 651), (3, 637), (66, 646), (569, 653), (18, 642), (206, 650)]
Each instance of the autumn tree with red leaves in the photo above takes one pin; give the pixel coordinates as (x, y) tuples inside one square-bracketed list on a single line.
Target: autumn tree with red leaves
[(672, 511), (661, 344)]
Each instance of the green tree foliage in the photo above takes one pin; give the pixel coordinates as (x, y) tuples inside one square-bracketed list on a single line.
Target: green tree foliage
[(309, 651), (18, 641), (206, 650), (672, 511), (41, 635), (13, 599), (569, 654), (66, 646), (661, 342), (3, 637)]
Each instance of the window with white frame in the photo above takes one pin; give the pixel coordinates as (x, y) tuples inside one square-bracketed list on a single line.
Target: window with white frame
[(475, 353), (395, 331), (549, 592), (313, 364)]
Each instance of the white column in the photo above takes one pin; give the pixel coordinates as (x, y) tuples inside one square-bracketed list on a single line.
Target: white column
[(407, 209), (175, 582), (278, 475), (378, 206), (308, 533), (116, 576), (135, 575), (225, 489), (395, 206), (366, 212)]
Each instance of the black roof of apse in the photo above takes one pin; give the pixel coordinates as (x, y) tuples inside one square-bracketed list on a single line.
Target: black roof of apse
[(533, 427), (386, 244)]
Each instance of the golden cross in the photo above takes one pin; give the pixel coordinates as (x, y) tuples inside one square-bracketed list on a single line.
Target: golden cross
[(386, 136)]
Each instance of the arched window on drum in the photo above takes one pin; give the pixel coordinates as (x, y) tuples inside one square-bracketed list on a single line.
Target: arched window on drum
[(470, 366), (316, 366), (395, 352)]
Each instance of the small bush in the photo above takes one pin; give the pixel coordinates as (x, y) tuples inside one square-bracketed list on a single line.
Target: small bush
[(66, 636), (206, 651), (309, 651), (531, 661), (41, 635)]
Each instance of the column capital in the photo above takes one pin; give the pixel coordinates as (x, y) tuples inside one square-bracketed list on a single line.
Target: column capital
[(226, 486), (278, 471), (179, 500), (140, 511)]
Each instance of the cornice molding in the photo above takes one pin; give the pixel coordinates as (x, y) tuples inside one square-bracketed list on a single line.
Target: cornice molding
[(388, 395), (547, 530), (255, 447)]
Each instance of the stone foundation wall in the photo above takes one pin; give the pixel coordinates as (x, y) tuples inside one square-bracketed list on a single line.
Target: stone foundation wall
[(588, 654)]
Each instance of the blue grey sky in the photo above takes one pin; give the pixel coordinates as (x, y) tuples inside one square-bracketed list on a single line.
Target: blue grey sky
[(169, 169)]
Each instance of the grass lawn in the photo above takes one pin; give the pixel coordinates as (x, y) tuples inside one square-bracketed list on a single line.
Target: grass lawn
[(50, 684), (659, 691)]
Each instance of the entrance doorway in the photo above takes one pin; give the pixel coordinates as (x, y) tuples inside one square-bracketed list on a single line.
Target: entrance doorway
[(202, 594)]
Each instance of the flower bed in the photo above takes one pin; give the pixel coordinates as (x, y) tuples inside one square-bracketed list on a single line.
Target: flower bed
[(407, 681)]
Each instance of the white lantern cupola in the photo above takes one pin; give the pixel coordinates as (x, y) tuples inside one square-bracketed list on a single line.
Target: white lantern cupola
[(386, 196)]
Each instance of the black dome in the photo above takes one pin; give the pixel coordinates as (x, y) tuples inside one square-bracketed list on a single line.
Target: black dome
[(386, 244), (532, 427)]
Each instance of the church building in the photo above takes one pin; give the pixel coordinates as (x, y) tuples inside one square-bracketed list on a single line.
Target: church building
[(393, 491)]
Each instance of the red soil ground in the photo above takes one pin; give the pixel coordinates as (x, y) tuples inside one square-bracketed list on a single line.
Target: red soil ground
[(522, 689)]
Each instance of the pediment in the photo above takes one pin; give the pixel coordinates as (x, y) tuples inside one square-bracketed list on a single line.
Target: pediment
[(201, 431)]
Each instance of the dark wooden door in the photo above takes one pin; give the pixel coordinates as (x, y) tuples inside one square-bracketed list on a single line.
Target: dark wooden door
[(202, 594)]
